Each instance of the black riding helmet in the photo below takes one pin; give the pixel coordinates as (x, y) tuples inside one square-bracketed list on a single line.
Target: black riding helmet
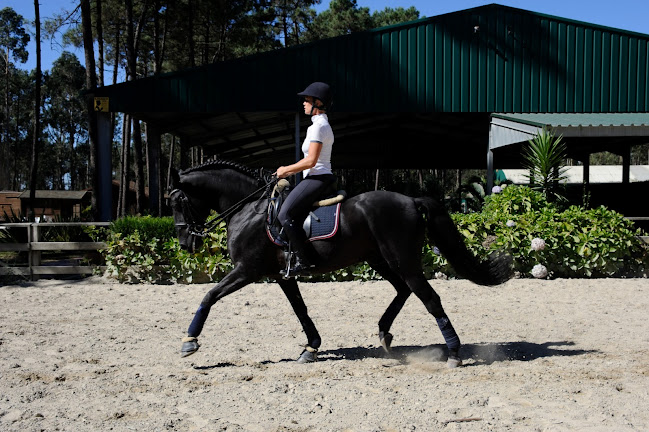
[(321, 91)]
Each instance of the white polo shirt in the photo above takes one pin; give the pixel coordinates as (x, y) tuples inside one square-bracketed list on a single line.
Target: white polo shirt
[(320, 131)]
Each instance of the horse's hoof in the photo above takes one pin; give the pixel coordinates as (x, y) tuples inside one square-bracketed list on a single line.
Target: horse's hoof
[(453, 362), (309, 355), (190, 346), (386, 341)]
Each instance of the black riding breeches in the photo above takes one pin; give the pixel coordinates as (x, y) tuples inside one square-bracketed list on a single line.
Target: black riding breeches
[(299, 202)]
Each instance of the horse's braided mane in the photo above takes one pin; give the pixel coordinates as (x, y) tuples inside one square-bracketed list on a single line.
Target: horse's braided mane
[(220, 163)]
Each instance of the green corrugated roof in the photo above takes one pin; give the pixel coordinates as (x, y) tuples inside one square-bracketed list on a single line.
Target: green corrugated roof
[(487, 59)]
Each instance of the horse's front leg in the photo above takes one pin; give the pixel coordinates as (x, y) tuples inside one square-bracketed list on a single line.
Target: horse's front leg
[(292, 292), (233, 281)]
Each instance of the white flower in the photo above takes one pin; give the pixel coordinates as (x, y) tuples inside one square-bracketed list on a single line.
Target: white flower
[(496, 189), (436, 250), (538, 244), (539, 271), (511, 223)]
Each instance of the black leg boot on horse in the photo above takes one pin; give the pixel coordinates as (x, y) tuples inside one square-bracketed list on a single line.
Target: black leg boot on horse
[(300, 265)]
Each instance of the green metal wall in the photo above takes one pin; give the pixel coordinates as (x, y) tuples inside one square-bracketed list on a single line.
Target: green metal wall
[(488, 59)]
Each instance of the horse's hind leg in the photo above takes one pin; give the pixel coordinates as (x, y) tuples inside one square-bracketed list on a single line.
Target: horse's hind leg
[(422, 289), (390, 314), (292, 292)]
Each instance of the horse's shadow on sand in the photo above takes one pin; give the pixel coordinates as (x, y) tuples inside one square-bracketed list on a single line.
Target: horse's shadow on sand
[(473, 354), (479, 354)]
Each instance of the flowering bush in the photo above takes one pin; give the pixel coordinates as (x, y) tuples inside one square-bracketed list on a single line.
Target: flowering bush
[(538, 244), (576, 242), (539, 271)]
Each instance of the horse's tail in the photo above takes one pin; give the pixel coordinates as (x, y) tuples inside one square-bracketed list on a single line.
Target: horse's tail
[(444, 234)]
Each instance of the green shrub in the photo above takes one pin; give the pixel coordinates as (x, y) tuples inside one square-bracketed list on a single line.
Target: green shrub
[(146, 249), (578, 242), (147, 226)]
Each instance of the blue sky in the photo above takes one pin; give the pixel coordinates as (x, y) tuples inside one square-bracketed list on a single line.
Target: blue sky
[(630, 15)]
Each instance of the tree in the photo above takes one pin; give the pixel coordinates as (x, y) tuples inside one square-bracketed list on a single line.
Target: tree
[(389, 16), (36, 143), (291, 19), (65, 113), (91, 84), (343, 17), (545, 157), (13, 46), (20, 134)]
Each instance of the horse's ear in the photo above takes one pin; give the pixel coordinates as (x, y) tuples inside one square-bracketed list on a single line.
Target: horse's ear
[(175, 178)]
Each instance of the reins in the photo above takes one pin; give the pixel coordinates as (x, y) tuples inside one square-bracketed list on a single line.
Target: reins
[(202, 230)]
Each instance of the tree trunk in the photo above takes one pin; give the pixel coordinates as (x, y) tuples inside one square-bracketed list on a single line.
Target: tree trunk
[(157, 62), (37, 115), (91, 84), (4, 133), (100, 43), (132, 39), (153, 157), (190, 36), (139, 167), (73, 158), (123, 201)]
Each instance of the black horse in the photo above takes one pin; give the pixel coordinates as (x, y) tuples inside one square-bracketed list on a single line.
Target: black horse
[(385, 229)]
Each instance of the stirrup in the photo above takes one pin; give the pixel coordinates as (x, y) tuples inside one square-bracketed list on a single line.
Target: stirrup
[(301, 267)]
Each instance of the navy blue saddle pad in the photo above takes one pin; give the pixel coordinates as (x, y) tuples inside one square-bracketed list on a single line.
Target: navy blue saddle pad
[(322, 223)]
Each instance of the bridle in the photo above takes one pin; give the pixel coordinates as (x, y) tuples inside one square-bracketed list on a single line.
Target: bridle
[(198, 229)]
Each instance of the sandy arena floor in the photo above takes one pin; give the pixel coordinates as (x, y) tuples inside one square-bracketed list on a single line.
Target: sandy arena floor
[(92, 355)]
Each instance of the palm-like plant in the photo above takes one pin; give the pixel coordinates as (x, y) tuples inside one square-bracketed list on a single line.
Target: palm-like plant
[(545, 157)]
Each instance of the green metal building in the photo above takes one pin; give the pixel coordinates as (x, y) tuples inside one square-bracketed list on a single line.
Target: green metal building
[(415, 95)]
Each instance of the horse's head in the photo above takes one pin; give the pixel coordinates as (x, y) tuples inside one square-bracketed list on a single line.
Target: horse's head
[(189, 216), (217, 185)]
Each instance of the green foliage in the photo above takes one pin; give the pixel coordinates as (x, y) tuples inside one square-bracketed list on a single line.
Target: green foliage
[(13, 36), (544, 157), (147, 226), (390, 16), (579, 242), (146, 249)]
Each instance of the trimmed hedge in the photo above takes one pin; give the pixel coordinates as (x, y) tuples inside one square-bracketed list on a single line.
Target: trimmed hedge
[(147, 249)]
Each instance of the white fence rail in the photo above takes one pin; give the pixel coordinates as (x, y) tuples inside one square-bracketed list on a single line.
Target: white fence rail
[(35, 246)]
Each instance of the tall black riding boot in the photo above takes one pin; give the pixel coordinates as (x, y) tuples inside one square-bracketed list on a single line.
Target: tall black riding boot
[(297, 237)]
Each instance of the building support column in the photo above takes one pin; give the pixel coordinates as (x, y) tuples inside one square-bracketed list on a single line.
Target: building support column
[(626, 164), (490, 164), (104, 167)]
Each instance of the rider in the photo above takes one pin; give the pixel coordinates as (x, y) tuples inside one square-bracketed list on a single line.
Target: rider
[(316, 167)]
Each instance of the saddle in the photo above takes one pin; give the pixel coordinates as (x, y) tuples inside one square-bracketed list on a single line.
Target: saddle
[(321, 222)]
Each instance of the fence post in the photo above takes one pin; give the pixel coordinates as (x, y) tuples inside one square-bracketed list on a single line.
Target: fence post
[(33, 236)]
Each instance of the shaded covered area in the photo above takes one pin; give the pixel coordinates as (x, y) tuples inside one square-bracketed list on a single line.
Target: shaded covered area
[(584, 134), (363, 140)]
